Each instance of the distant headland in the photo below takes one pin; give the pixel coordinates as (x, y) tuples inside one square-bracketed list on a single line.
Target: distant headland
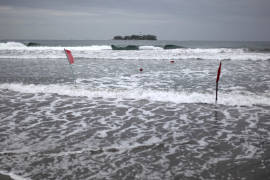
[(136, 37)]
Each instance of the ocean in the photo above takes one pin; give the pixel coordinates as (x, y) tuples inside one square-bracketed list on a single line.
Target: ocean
[(118, 122)]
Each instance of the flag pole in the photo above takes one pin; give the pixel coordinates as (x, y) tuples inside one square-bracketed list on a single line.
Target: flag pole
[(73, 74), (70, 65), (216, 92)]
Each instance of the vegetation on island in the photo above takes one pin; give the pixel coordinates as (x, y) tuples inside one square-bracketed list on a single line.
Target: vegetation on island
[(136, 37)]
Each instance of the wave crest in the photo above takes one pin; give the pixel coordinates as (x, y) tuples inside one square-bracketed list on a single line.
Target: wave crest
[(12, 44), (17, 50), (233, 99)]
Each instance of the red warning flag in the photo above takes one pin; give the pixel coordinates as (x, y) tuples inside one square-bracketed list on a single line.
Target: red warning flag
[(69, 56), (218, 73)]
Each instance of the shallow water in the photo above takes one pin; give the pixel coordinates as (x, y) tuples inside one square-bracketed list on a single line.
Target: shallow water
[(119, 123), (54, 136)]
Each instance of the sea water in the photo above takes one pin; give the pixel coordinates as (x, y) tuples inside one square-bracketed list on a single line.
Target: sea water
[(122, 123)]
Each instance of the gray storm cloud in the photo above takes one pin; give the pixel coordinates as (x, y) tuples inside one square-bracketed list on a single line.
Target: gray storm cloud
[(168, 19)]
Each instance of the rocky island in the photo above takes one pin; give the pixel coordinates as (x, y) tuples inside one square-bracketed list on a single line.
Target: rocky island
[(136, 37)]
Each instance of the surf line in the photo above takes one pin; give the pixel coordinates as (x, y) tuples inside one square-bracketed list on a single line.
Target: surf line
[(218, 75), (71, 61)]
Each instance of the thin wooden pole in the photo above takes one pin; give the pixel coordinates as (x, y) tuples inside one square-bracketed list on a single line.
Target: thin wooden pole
[(73, 74), (216, 92)]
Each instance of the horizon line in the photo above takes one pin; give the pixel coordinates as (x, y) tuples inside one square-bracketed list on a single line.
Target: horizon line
[(35, 39)]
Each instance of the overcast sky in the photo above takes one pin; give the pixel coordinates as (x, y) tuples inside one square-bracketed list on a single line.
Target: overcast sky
[(103, 19)]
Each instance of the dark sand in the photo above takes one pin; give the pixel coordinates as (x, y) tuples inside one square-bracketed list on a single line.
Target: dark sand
[(5, 177)]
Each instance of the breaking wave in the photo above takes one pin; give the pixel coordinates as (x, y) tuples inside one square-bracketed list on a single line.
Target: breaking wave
[(233, 99), (16, 50), (10, 45)]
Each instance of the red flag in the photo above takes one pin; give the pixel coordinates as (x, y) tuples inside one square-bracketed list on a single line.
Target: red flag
[(69, 56), (218, 73)]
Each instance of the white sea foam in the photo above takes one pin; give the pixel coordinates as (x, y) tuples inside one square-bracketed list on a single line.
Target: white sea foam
[(10, 45), (238, 99), (21, 46), (150, 48), (68, 127), (16, 50)]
